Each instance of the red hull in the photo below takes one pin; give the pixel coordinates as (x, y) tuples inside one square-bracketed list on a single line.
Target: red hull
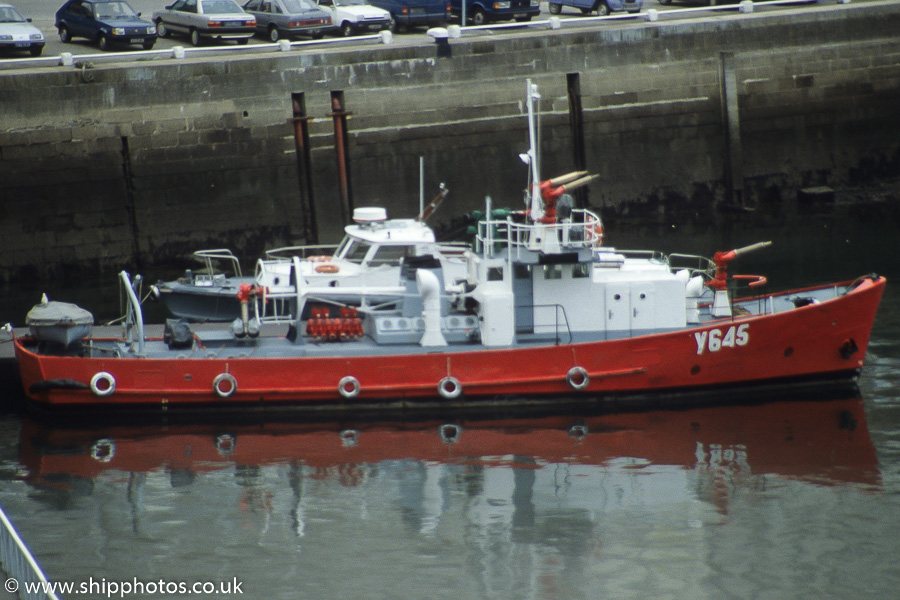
[(803, 343)]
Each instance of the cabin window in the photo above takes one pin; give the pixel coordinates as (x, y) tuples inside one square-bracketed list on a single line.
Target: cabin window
[(552, 272), (356, 251), (390, 255), (581, 270), (495, 274), (521, 271)]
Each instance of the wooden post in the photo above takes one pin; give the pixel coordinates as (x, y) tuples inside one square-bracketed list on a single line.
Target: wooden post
[(731, 123), (304, 168)]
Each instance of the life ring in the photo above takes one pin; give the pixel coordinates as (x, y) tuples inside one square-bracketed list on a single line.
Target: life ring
[(327, 268), (225, 444), (349, 437), (577, 378), (319, 258), (228, 389), (449, 388), (103, 450), (450, 433), (103, 384), (348, 387)]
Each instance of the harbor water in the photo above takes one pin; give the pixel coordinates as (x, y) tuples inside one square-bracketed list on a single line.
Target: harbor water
[(791, 495)]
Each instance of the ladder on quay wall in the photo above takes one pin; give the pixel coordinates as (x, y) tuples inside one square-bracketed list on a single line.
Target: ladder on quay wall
[(20, 567)]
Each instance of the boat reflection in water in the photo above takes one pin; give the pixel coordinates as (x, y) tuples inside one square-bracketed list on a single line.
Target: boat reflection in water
[(703, 451)]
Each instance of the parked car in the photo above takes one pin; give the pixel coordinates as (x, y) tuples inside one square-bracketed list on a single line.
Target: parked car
[(413, 13), (289, 18), (107, 22), (204, 20), (601, 7), (481, 12), (356, 16), (17, 32)]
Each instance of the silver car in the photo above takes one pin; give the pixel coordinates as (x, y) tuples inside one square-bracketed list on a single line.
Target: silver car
[(289, 18), (17, 32), (206, 20)]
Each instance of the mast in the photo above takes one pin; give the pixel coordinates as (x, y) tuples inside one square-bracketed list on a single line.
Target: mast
[(537, 206)]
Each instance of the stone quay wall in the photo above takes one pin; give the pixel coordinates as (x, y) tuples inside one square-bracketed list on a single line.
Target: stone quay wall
[(138, 164)]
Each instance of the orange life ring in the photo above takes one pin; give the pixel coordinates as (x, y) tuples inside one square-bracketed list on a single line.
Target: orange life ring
[(327, 268)]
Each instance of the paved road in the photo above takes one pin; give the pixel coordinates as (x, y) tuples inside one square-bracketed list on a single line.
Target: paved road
[(42, 13)]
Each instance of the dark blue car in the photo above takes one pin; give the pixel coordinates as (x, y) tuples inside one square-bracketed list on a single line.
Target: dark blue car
[(481, 12), (106, 22)]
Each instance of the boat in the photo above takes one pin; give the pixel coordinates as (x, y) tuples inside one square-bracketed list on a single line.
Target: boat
[(57, 323), (546, 310), (369, 255)]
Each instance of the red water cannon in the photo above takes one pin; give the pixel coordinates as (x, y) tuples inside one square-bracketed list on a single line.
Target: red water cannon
[(552, 189), (722, 259)]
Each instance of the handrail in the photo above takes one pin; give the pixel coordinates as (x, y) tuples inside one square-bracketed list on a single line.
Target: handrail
[(20, 564), (134, 316)]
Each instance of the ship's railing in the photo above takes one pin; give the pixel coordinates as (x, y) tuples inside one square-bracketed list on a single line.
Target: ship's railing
[(21, 566), (134, 315), (695, 264), (558, 325), (210, 257), (583, 230)]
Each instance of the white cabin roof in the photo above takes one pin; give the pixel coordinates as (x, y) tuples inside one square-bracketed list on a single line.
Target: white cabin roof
[(392, 232)]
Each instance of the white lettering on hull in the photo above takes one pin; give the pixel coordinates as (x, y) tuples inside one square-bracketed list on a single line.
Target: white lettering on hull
[(713, 340)]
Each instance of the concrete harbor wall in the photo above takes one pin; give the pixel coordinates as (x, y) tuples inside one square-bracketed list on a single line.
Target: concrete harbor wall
[(139, 164)]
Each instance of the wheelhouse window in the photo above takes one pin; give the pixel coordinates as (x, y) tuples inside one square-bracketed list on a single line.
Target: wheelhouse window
[(552, 272), (390, 255), (355, 250)]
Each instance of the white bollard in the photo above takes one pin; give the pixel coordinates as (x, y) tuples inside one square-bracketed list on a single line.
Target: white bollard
[(652, 15), (66, 59), (554, 23), (746, 7), (178, 52), (284, 45), (387, 37), (454, 31)]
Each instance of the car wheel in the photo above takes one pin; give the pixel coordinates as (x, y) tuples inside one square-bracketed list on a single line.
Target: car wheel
[(64, 35), (347, 29), (478, 17), (602, 8), (196, 40), (273, 33), (149, 45), (36, 50), (161, 29), (103, 42), (555, 9)]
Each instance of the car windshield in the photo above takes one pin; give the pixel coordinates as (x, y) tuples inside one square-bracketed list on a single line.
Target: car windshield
[(8, 14), (349, 2), (112, 10), (218, 7), (297, 6)]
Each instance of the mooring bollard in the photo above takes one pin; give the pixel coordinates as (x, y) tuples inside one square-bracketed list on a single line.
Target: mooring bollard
[(441, 37), (652, 15), (66, 59), (746, 7), (284, 45), (178, 52), (555, 23), (387, 37)]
